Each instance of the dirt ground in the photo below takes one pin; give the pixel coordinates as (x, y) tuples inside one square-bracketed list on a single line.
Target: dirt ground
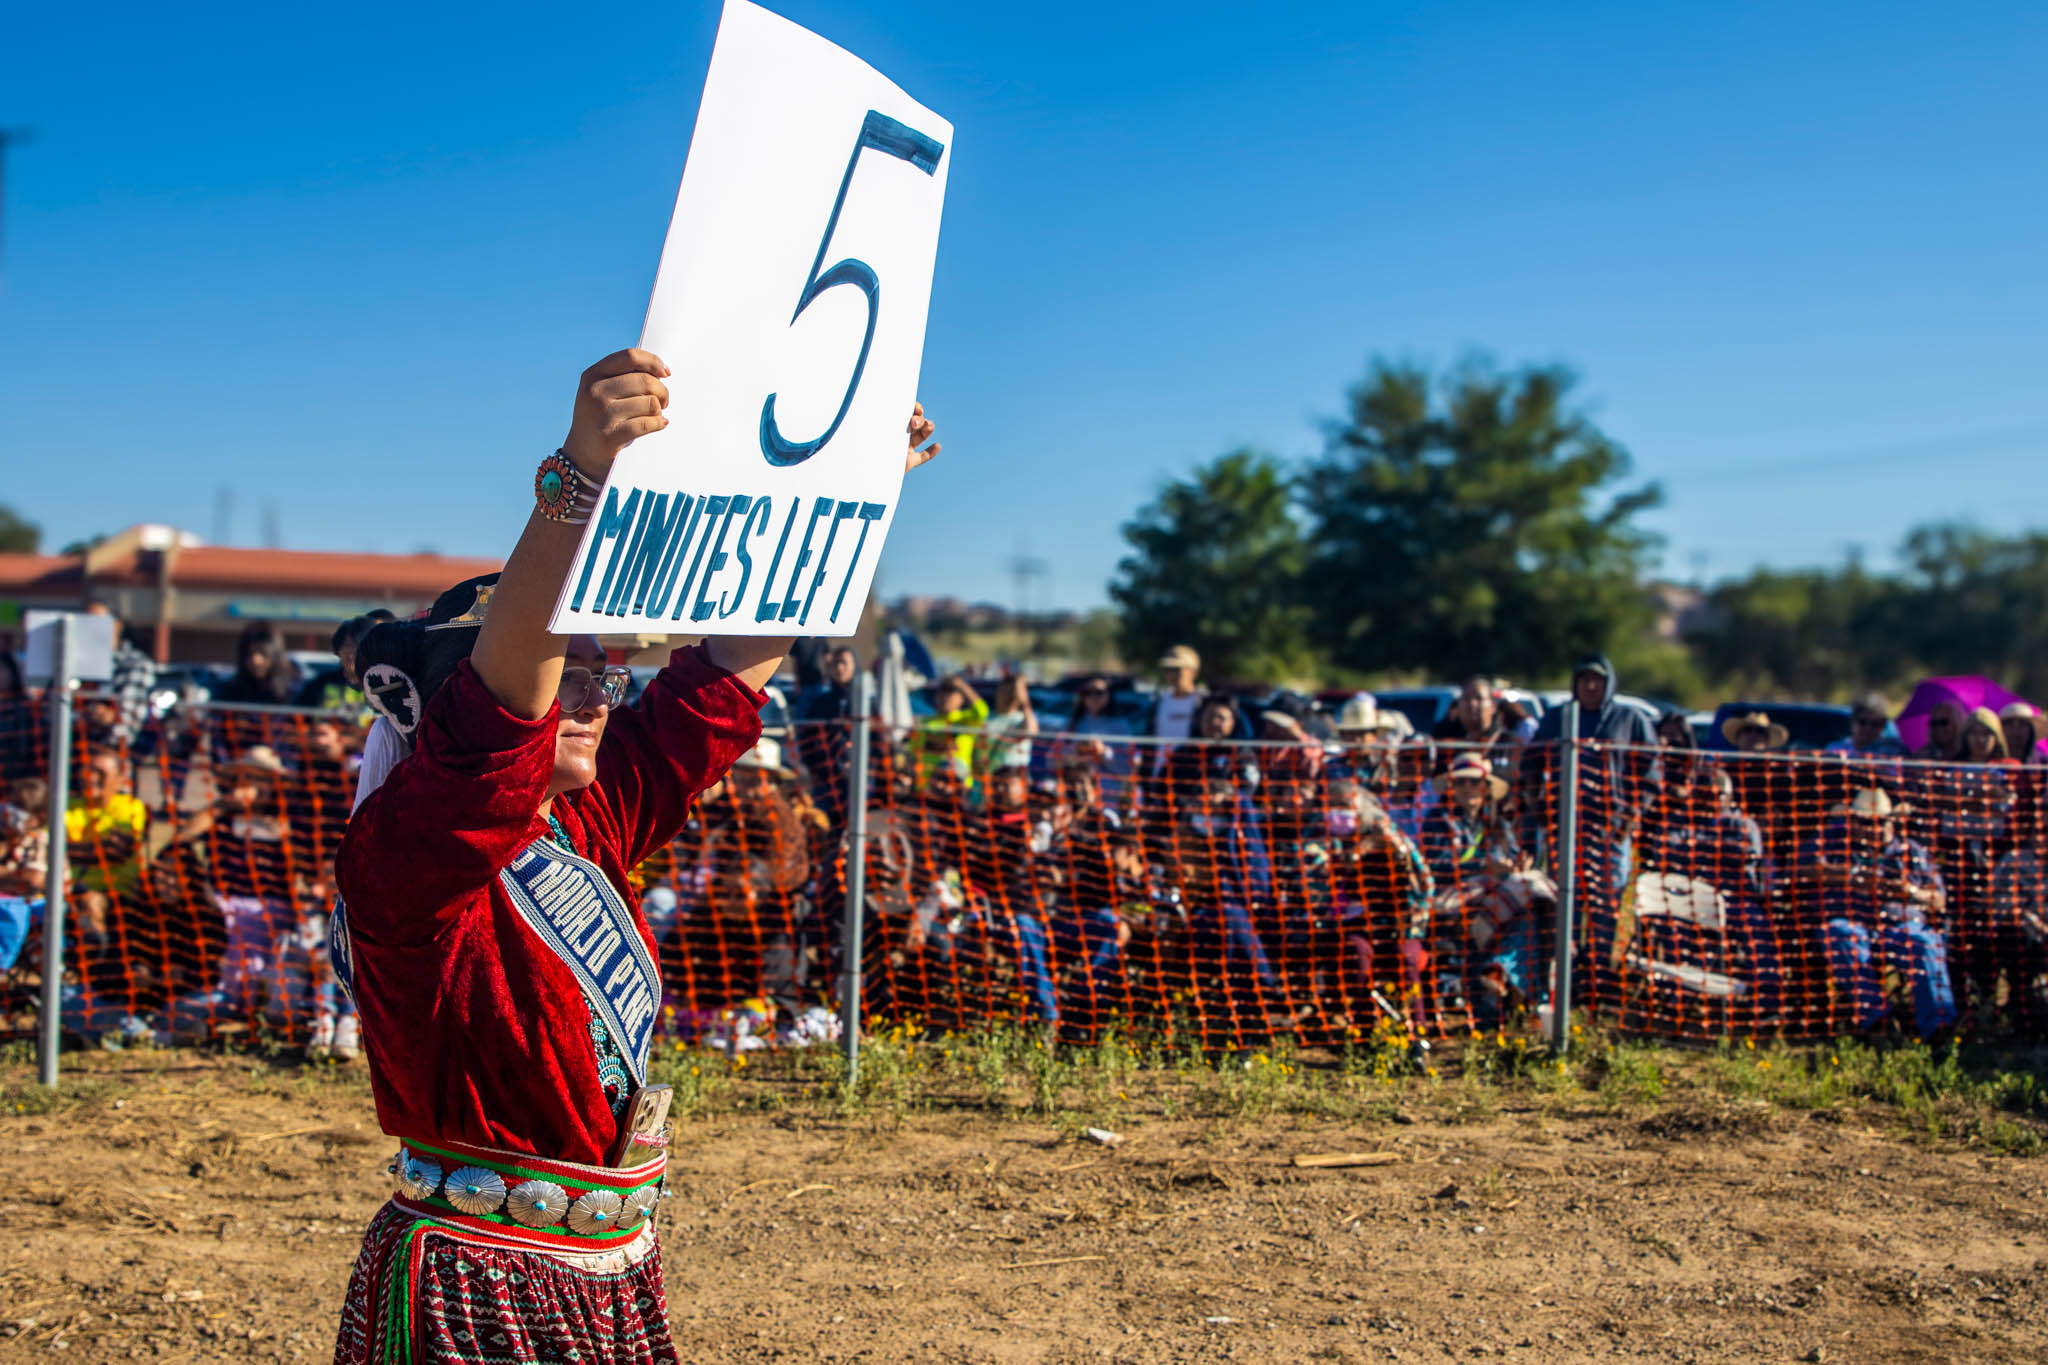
[(196, 1207)]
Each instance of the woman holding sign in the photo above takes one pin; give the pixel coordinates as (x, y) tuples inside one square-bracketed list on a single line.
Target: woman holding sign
[(504, 976)]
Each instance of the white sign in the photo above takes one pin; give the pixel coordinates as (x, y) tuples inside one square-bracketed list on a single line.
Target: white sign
[(91, 645), (790, 307)]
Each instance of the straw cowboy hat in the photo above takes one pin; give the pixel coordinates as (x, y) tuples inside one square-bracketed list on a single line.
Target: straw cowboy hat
[(257, 761), (1361, 714), (1757, 720), (766, 754), (2028, 713), (1871, 803), (1470, 765)]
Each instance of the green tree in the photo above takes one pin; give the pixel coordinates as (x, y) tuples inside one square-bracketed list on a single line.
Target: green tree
[(18, 535), (1216, 562), (1798, 633), (1472, 523), (1968, 602)]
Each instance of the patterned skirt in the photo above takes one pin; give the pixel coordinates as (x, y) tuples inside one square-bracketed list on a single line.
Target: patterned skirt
[(434, 1284)]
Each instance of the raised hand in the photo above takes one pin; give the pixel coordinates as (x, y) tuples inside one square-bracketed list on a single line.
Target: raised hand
[(618, 400), (921, 429)]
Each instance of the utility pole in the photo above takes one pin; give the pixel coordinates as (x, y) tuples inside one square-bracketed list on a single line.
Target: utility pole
[(9, 137)]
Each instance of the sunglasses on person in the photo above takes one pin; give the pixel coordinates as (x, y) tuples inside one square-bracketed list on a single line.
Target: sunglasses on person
[(1094, 691), (580, 688), (1940, 722), (1875, 722)]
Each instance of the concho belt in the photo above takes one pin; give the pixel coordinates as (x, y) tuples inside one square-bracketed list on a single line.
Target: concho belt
[(553, 1205)]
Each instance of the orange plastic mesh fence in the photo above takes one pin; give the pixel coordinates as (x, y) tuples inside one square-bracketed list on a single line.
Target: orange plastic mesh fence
[(1218, 894)]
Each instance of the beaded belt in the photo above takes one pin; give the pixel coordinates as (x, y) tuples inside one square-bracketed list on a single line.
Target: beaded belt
[(552, 1205)]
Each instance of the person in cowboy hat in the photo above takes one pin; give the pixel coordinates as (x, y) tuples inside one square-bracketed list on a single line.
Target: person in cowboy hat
[(487, 930), (1471, 852), (1879, 891), (1755, 733), (1369, 740)]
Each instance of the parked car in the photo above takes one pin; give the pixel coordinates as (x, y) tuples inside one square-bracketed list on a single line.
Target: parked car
[(1812, 725)]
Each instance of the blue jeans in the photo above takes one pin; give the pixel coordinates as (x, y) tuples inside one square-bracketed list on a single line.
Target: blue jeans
[(1031, 967), (1227, 930), (1089, 937), (1857, 955), (18, 915)]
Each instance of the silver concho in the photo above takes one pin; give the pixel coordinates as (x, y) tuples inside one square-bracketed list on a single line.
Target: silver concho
[(475, 1190), (638, 1204), (537, 1203), (418, 1177), (595, 1211)]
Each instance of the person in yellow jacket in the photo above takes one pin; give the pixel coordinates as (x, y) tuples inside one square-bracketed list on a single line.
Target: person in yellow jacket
[(944, 742)]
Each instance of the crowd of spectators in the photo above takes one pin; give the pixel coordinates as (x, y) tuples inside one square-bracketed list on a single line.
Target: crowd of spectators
[(1104, 865)]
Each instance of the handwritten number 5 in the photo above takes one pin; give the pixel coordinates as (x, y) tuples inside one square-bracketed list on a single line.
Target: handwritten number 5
[(884, 134)]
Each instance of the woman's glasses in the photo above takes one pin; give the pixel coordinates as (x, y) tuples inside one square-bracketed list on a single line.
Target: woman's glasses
[(581, 688)]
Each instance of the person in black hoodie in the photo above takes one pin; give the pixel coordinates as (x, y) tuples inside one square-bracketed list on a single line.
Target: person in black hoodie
[(1616, 784)]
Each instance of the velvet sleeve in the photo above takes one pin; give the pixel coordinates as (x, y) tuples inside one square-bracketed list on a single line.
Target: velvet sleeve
[(686, 731), (449, 817)]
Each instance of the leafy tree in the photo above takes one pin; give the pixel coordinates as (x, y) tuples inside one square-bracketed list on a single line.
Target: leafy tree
[(1216, 562), (1968, 602), (1472, 523), (18, 535), (1797, 633)]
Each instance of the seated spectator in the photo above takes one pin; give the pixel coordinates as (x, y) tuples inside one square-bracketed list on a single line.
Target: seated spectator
[(1370, 741), (1003, 867), (1984, 738), (2024, 727), (1006, 734), (757, 853), (25, 838), (1944, 731), (1682, 756), (1755, 733), (129, 684), (108, 832), (1482, 938), (824, 738), (264, 674), (1091, 731), (1294, 734), (24, 863), (1878, 892), (1697, 832), (344, 693), (1213, 755), (1478, 721), (1870, 735), (942, 743)]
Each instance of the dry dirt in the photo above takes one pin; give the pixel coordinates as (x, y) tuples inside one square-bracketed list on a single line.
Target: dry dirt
[(207, 1209)]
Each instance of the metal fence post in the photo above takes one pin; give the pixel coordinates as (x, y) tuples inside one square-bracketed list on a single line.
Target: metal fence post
[(63, 665), (1568, 877), (851, 937)]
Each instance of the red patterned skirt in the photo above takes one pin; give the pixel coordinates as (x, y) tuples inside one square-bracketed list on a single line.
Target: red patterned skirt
[(431, 1284)]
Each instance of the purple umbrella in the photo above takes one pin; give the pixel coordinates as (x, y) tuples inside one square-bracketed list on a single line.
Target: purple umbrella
[(1969, 693)]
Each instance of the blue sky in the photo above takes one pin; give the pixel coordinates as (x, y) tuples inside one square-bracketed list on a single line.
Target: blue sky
[(348, 262)]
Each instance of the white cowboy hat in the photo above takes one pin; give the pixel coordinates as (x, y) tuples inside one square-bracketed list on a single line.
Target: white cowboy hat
[(1470, 765)]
